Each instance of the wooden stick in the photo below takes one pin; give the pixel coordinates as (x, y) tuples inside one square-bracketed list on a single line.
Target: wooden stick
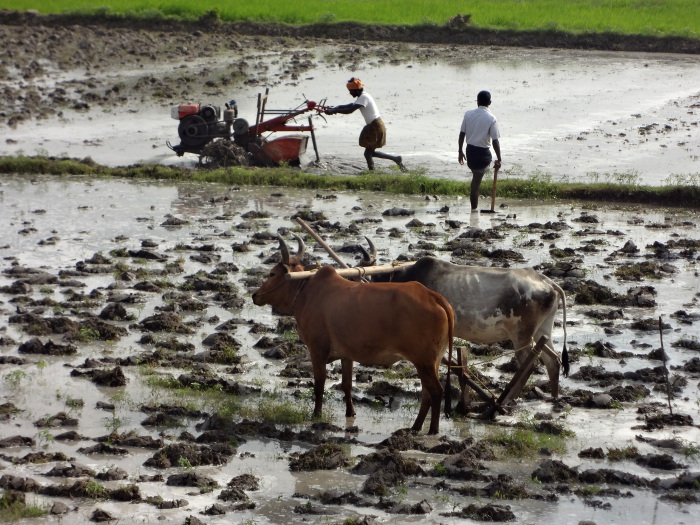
[(319, 240), (517, 383), (493, 190), (466, 380), (495, 406), (669, 392), (352, 272)]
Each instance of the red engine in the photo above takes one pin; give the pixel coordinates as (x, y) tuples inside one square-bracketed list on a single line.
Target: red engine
[(200, 124)]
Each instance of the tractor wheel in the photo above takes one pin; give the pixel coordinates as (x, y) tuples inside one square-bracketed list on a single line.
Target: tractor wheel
[(223, 153), (240, 126), (208, 113), (193, 131)]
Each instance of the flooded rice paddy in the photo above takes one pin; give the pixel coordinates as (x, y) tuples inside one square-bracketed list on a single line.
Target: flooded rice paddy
[(571, 115), (72, 247)]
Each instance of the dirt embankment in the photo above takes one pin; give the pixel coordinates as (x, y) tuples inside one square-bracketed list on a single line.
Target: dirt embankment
[(457, 31)]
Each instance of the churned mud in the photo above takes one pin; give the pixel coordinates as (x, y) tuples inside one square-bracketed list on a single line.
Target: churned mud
[(139, 383), (137, 379)]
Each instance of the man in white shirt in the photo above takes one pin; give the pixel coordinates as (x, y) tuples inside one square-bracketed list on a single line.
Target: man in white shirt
[(480, 129), (373, 135)]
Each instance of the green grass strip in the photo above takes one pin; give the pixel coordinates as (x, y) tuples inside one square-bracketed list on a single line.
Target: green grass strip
[(642, 17), (527, 187)]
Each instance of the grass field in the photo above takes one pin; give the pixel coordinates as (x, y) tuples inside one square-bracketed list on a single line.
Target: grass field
[(644, 17), (684, 195)]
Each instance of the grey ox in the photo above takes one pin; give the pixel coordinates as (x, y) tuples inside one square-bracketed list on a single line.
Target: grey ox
[(493, 304)]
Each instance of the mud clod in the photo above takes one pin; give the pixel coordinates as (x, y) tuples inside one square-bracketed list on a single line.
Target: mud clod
[(323, 457)]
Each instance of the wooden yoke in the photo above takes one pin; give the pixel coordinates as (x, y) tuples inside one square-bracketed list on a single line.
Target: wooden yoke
[(355, 274), (352, 272)]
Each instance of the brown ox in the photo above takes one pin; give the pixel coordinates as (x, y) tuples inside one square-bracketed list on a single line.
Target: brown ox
[(371, 323)]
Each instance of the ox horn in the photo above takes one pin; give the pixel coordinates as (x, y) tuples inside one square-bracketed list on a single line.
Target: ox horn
[(284, 249), (301, 249), (369, 258)]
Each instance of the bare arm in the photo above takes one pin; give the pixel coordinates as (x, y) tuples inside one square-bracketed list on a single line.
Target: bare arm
[(497, 149), (345, 109), (460, 157)]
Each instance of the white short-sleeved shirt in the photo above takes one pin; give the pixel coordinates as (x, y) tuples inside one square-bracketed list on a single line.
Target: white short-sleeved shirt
[(480, 127), (369, 108)]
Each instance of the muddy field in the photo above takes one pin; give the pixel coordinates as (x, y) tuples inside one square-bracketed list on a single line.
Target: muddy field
[(138, 380), (105, 91)]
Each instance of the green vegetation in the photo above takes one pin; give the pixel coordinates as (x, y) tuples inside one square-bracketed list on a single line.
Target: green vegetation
[(399, 371), (657, 17), (44, 438), (621, 454), (529, 436), (690, 450), (15, 377), (533, 186), (638, 271), (87, 334), (271, 407), (589, 491), (439, 469), (185, 464), (291, 336), (95, 491), (13, 507), (526, 443), (281, 412), (112, 423)]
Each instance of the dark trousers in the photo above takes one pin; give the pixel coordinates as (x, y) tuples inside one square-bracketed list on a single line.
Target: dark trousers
[(478, 159)]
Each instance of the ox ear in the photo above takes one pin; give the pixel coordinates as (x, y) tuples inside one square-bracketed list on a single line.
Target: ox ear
[(284, 249), (369, 258), (301, 249)]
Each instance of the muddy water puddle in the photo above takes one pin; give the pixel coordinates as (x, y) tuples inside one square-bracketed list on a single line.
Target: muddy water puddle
[(572, 115), (55, 225)]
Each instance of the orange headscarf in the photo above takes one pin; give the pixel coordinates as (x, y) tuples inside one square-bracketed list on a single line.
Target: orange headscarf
[(355, 83)]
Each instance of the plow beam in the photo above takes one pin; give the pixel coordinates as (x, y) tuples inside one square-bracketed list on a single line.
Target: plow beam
[(517, 383)]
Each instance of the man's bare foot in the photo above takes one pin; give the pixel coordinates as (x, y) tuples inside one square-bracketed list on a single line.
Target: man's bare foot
[(399, 162)]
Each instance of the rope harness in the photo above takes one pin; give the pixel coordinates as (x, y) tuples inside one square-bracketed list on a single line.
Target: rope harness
[(303, 283), (464, 369), (282, 283), (259, 293)]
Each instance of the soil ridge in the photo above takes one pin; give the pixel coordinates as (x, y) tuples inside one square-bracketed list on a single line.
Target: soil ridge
[(427, 34)]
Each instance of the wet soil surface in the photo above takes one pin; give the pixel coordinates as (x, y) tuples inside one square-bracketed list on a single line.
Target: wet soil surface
[(103, 89), (138, 380)]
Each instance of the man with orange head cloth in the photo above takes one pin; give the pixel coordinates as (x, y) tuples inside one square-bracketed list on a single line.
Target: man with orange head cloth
[(373, 135)]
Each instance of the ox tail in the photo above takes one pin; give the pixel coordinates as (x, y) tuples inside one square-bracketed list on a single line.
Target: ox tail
[(450, 337), (564, 352)]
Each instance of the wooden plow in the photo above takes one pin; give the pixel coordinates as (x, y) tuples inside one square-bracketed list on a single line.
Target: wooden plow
[(518, 381), (514, 386)]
